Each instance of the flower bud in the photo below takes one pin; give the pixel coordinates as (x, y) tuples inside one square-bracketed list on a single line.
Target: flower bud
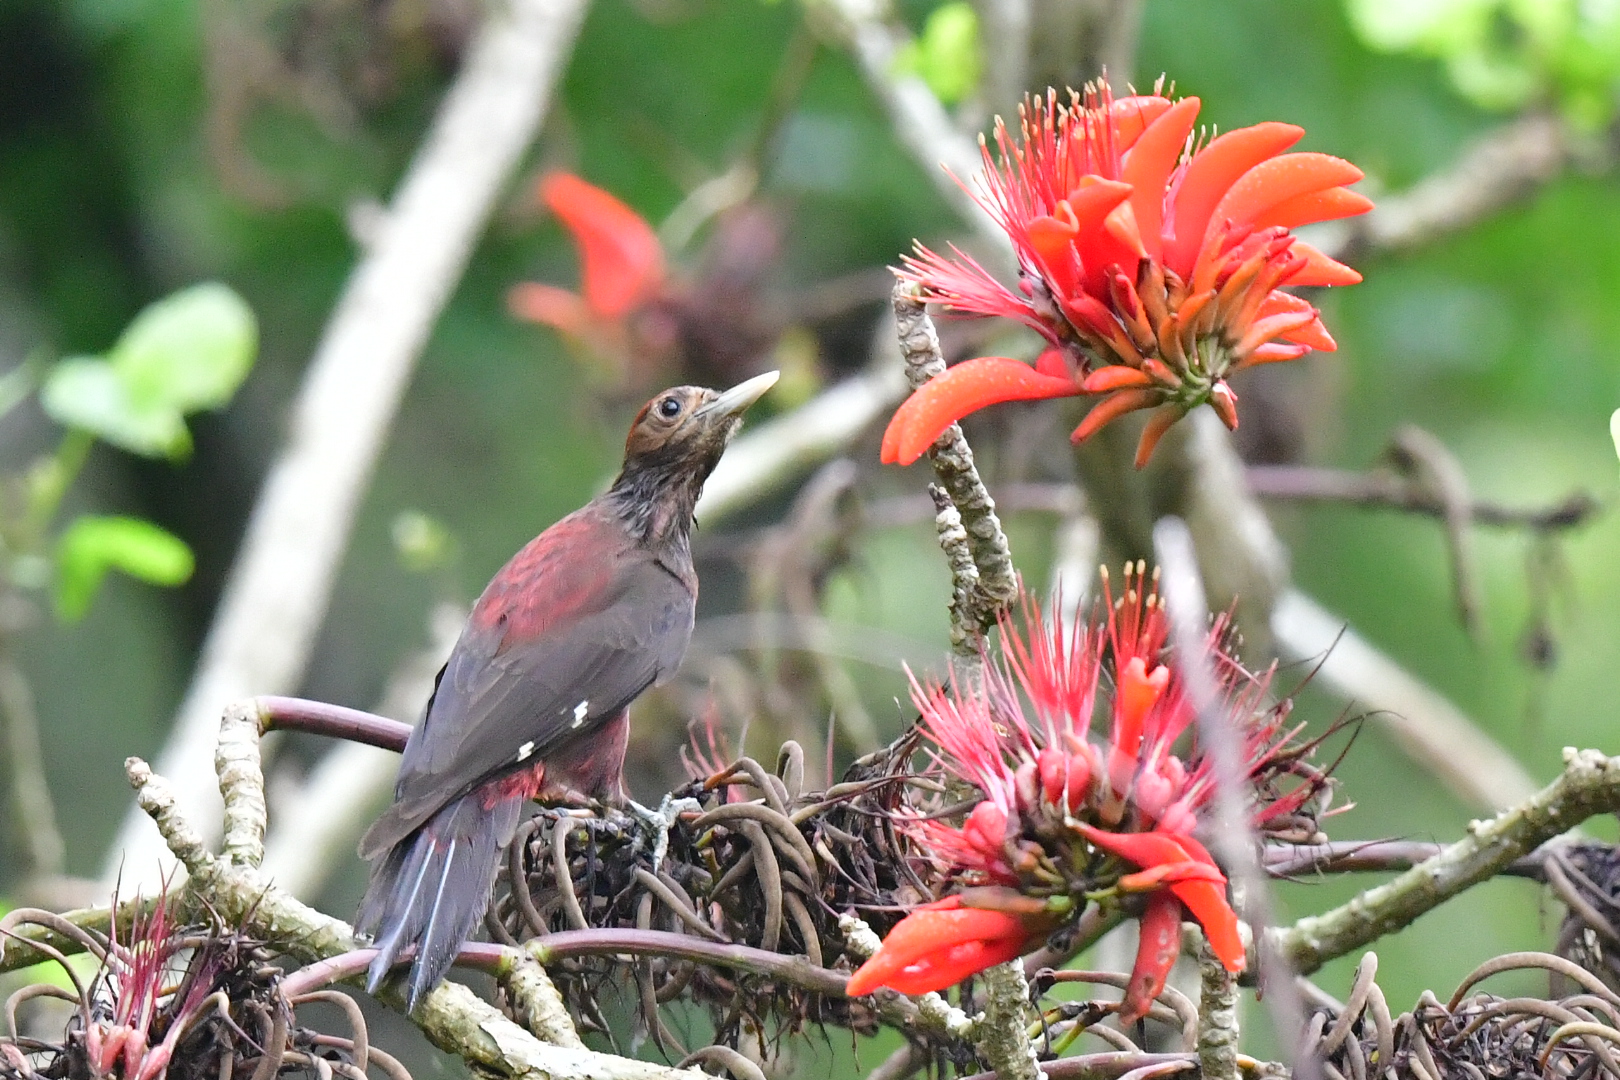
[(1065, 778), (986, 828)]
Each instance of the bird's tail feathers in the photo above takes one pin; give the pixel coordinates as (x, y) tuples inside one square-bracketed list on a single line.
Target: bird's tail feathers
[(432, 887)]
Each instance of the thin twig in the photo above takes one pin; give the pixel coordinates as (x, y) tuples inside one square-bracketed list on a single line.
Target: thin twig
[(31, 795), (1429, 728), (1498, 170), (277, 592), (1376, 856), (333, 721), (315, 826), (797, 970), (1380, 489)]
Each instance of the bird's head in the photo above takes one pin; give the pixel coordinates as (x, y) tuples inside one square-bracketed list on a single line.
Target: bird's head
[(676, 441)]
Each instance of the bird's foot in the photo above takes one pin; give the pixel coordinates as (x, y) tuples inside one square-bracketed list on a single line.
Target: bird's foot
[(660, 821)]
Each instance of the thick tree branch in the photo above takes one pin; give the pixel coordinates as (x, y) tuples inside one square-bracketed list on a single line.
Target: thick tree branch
[(453, 1018), (278, 591), (920, 122), (1589, 784)]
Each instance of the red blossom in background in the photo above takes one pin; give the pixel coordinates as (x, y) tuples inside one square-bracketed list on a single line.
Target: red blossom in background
[(1056, 798), (622, 262), (1154, 266), (623, 276)]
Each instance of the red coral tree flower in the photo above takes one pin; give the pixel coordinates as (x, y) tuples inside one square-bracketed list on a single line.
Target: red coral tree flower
[(1063, 812), (622, 273), (1153, 266)]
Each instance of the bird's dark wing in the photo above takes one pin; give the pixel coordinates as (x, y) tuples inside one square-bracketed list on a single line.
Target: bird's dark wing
[(525, 677)]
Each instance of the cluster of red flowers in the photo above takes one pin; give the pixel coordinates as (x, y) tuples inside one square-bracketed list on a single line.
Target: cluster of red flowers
[(150, 1014), (1153, 266), (1062, 815)]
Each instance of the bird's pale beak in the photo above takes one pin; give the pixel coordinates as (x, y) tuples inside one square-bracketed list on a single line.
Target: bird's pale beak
[(732, 402)]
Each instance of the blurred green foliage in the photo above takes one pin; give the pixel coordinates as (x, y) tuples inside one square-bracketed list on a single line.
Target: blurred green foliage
[(946, 55), (183, 354), (122, 166), (1505, 54)]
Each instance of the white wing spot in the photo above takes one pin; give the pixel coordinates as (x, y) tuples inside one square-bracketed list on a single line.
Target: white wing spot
[(579, 712), (525, 750)]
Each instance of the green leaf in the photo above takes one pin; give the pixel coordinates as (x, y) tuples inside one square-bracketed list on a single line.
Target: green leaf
[(1437, 27), (86, 392), (93, 545), (189, 351), (946, 56)]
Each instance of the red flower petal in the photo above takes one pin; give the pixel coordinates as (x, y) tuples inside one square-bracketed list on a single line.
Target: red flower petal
[(1207, 903), (623, 262), (1206, 900), (1212, 171), (1145, 849), (1114, 377), (1159, 423), (1149, 164), (1156, 952), (965, 388), (1321, 270), (1274, 353), (1287, 324), (1052, 238), (1170, 873), (1112, 408), (1278, 180), (550, 306), (1055, 362), (938, 945), (1133, 115), (1314, 206)]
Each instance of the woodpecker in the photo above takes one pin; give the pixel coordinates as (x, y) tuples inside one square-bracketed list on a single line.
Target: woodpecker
[(533, 700)]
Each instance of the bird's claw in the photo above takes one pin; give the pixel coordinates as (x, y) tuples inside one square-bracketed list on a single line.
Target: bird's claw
[(660, 821)]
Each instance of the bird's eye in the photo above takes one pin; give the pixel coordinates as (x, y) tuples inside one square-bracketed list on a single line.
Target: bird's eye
[(669, 408)]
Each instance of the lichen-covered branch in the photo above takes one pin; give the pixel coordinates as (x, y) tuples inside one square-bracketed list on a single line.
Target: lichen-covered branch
[(14, 950), (1589, 784), (1004, 1032), (536, 1003), (241, 783), (953, 541), (1217, 1019), (952, 458)]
